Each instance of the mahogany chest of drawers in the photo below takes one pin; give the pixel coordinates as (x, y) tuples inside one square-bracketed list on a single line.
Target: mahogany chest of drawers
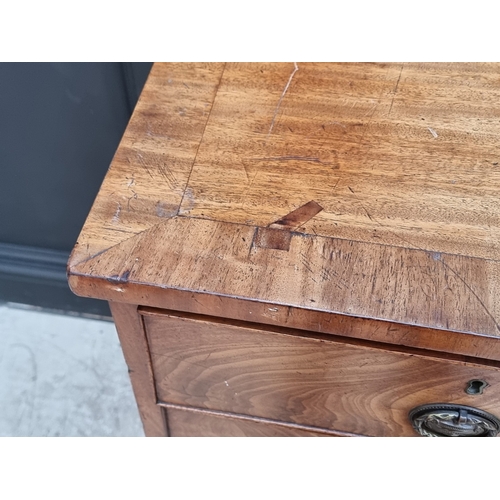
[(305, 249)]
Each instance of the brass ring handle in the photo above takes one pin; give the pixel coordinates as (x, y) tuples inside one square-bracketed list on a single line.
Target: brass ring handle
[(449, 420)]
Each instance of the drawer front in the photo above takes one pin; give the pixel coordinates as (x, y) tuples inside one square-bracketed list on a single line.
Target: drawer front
[(194, 423), (291, 377)]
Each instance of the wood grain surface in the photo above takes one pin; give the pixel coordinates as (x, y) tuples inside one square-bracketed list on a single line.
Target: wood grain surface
[(192, 422), (400, 161), (148, 176), (302, 379), (136, 352)]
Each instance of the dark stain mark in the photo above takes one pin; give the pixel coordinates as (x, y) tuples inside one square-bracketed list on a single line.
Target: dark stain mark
[(299, 216), (271, 238), (123, 278)]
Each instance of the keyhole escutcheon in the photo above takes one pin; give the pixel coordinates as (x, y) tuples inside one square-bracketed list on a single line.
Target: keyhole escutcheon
[(475, 386)]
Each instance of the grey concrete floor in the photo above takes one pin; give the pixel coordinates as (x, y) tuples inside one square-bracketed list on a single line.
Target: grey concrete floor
[(62, 376)]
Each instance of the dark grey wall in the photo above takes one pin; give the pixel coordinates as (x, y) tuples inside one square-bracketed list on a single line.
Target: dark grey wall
[(60, 124)]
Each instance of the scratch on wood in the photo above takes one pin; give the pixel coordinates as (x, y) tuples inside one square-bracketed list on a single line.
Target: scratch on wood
[(296, 68), (253, 180), (433, 132), (333, 123), (140, 157), (246, 172), (89, 258), (366, 212), (168, 175), (119, 230), (134, 197), (436, 256), (306, 263), (287, 158), (396, 88), (324, 273), (473, 293)]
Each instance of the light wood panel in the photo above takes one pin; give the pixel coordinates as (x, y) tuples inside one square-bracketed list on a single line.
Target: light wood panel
[(401, 160), (359, 279), (399, 154)]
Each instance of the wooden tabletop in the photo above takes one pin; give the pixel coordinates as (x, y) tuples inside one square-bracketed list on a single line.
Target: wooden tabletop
[(368, 190)]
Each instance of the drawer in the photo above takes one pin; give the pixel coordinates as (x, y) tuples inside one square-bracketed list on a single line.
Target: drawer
[(310, 380), (192, 422)]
